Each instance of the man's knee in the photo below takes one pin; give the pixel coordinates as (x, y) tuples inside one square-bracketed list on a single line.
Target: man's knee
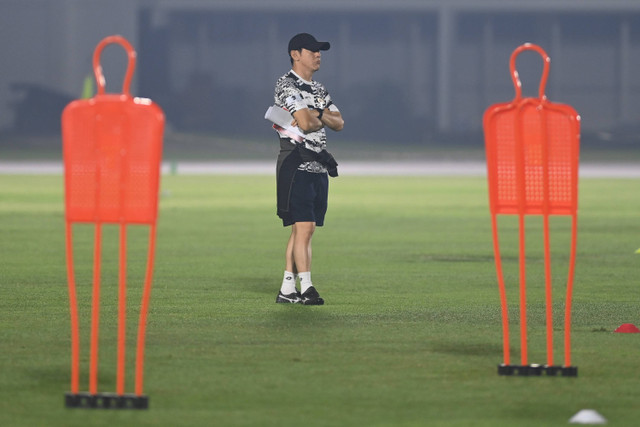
[(305, 228)]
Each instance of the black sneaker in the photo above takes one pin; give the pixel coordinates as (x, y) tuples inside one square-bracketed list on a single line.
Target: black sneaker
[(312, 297), (292, 298)]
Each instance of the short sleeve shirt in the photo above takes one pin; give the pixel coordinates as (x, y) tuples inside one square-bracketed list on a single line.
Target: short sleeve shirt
[(294, 93)]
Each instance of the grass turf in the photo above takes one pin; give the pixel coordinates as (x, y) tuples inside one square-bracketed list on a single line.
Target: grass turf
[(410, 333)]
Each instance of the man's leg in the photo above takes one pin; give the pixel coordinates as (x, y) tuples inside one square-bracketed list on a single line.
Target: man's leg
[(290, 263), (302, 257), (298, 246), (302, 232), (288, 292)]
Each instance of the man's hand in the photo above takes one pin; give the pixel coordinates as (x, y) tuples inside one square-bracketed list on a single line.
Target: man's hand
[(307, 120), (332, 119)]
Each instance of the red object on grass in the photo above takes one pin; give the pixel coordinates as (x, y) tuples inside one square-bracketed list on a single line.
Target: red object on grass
[(532, 148), (628, 328), (112, 148)]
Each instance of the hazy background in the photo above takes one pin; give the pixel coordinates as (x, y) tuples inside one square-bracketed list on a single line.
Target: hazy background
[(401, 71)]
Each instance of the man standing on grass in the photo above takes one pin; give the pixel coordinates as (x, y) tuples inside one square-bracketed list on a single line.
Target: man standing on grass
[(303, 163)]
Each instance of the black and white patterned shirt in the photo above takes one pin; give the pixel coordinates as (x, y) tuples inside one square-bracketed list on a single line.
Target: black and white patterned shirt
[(294, 93)]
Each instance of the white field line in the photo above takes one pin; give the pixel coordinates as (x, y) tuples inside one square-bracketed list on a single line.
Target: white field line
[(347, 168)]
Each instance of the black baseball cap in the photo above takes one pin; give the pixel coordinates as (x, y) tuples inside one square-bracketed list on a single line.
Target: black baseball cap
[(307, 41)]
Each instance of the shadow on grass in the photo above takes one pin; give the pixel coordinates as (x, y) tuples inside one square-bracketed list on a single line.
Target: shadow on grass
[(457, 258), (264, 285), (467, 349), (57, 374)]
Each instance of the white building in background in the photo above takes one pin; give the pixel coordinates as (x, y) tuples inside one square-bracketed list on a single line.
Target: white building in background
[(436, 64)]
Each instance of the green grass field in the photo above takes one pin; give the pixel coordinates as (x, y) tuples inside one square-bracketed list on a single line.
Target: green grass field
[(410, 334)]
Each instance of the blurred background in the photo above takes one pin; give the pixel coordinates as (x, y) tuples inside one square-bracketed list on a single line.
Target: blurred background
[(403, 72)]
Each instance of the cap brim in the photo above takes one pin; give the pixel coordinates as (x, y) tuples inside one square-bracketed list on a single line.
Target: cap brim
[(318, 46)]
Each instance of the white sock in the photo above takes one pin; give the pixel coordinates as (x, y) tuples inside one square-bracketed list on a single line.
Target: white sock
[(288, 283), (305, 281)]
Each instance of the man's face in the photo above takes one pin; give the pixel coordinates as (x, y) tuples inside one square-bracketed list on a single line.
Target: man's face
[(308, 59)]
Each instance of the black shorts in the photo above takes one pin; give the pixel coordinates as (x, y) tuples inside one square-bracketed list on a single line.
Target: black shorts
[(308, 198)]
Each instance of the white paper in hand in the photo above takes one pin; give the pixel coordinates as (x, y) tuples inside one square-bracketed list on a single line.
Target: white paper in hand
[(279, 116), (282, 119)]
